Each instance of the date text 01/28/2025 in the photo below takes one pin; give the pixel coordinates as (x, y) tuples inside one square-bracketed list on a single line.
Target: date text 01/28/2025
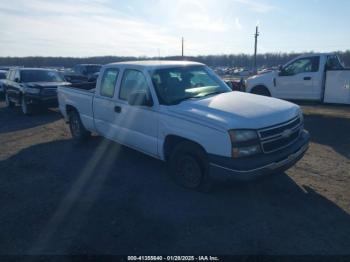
[(173, 258)]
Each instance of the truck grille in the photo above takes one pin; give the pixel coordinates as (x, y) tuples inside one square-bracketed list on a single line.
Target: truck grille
[(277, 137), (49, 91)]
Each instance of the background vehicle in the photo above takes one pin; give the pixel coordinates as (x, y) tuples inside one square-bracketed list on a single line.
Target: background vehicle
[(183, 113), (72, 77), (87, 70), (3, 75), (235, 84), (318, 77), (32, 87)]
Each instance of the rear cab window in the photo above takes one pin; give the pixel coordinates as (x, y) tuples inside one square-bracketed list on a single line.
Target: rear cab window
[(108, 82), (333, 63), (10, 75)]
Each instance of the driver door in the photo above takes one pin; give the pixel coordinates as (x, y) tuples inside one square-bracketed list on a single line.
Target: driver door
[(299, 79), (138, 125)]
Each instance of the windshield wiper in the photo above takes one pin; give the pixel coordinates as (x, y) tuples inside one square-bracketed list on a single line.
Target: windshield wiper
[(178, 101), (210, 94)]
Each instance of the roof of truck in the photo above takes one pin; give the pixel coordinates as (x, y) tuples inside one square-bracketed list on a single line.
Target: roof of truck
[(315, 54), (156, 63)]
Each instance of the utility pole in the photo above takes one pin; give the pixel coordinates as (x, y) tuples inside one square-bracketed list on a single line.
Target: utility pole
[(182, 47), (256, 46)]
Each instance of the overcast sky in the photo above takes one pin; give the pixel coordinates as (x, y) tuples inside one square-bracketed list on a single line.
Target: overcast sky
[(154, 27)]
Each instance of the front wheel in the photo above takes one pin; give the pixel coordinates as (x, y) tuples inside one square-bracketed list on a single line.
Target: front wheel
[(77, 129), (261, 90), (27, 109), (188, 166), (8, 102)]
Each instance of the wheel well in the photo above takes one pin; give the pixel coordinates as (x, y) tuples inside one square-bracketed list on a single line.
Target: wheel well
[(70, 108), (260, 89), (171, 141)]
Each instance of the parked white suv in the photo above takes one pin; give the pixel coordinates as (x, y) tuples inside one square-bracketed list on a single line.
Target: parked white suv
[(183, 113)]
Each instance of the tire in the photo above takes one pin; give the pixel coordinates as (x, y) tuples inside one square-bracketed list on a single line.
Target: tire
[(189, 166), (8, 102), (77, 129), (25, 107), (261, 90)]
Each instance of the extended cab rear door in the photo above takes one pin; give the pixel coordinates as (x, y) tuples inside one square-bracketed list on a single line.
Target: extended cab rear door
[(104, 103), (300, 79)]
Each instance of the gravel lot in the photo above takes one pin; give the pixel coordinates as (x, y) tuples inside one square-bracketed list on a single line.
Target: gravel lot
[(101, 198)]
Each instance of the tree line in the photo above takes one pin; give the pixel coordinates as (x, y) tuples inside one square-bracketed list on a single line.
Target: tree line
[(232, 60)]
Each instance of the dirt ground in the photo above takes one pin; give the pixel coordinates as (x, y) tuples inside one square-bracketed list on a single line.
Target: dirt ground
[(101, 198)]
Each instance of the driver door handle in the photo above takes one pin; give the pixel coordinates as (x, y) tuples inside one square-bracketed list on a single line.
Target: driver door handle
[(307, 78), (117, 109)]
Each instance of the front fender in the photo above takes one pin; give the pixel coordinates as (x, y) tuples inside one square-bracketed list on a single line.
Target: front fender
[(266, 80), (214, 141)]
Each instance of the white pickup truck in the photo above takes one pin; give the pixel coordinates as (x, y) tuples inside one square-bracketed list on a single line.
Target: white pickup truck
[(183, 113), (317, 77)]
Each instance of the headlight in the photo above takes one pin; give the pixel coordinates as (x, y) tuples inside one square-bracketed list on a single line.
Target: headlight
[(301, 115), (242, 135), (32, 90), (244, 143)]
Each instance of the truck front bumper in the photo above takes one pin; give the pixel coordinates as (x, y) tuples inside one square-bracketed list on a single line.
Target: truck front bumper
[(259, 165), (46, 101)]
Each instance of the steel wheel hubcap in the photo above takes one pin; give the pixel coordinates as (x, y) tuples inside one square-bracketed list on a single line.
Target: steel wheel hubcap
[(24, 105), (7, 100), (75, 126), (189, 172)]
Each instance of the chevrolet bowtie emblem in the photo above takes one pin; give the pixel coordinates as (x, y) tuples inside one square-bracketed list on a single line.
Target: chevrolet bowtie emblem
[(287, 133)]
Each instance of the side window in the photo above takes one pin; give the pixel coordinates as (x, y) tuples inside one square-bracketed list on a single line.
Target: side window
[(333, 63), (16, 75), (133, 81), (10, 75), (302, 65), (77, 69), (108, 82)]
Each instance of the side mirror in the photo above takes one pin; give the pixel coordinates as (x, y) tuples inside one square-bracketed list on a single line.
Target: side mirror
[(139, 98), (281, 70)]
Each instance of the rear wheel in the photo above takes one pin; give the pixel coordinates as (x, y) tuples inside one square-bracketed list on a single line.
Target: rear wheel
[(261, 90), (26, 108), (189, 167), (77, 129), (8, 102)]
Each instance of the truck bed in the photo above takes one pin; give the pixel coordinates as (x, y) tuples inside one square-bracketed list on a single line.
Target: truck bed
[(85, 85), (81, 100)]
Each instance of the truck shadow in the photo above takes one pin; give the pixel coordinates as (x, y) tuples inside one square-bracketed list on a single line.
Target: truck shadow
[(330, 131), (102, 198), (13, 120)]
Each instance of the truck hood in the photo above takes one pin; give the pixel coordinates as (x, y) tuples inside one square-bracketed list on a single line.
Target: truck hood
[(237, 110), (261, 79)]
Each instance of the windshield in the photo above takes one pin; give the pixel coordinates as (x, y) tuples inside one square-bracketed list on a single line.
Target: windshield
[(174, 85), (93, 69), (40, 76), (2, 75)]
